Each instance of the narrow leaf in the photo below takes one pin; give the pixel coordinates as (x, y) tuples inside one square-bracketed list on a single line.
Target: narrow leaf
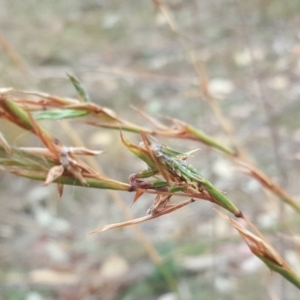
[(59, 114), (84, 96), (220, 199), (53, 174), (60, 189), (168, 209), (84, 151), (139, 151), (207, 140), (5, 144)]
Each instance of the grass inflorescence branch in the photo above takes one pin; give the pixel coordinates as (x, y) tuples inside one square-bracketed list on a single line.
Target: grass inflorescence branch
[(168, 171)]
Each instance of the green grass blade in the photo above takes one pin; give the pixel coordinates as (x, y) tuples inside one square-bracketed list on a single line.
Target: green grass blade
[(59, 114), (221, 199), (286, 273), (207, 140), (79, 88)]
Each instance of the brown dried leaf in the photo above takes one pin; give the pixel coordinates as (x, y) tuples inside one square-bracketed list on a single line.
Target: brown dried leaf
[(182, 129), (4, 144), (85, 167), (56, 100), (257, 245), (60, 189), (84, 151), (96, 109), (254, 172), (74, 166), (159, 204), (53, 174), (40, 151), (123, 224), (137, 195), (168, 209), (156, 123), (77, 173), (46, 138)]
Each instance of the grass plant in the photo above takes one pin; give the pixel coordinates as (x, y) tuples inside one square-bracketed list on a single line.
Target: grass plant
[(168, 173)]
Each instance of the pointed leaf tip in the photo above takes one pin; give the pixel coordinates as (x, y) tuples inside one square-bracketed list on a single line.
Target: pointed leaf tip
[(53, 174), (139, 151), (83, 94)]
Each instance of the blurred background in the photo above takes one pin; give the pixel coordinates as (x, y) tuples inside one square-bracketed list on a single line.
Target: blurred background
[(125, 54)]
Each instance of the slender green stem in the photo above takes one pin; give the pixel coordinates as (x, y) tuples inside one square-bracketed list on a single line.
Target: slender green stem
[(34, 166), (286, 273), (209, 141), (69, 180)]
